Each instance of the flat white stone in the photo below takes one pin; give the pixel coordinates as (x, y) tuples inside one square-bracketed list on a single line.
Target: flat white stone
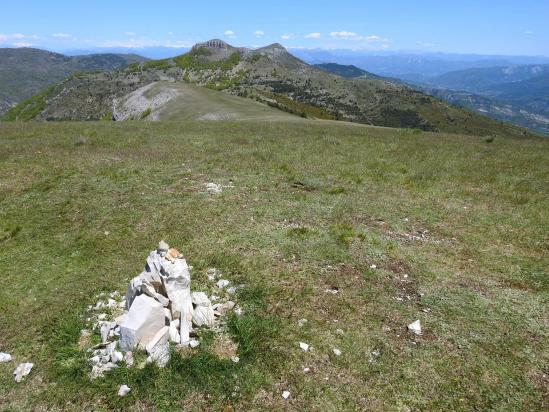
[(336, 351), (123, 390), (116, 356), (304, 347), (5, 357), (159, 348), (306, 370), (415, 327), (286, 394), (22, 370), (213, 188), (235, 359), (194, 343), (144, 320)]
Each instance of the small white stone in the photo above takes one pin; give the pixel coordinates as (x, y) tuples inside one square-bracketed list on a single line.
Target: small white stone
[(336, 351), (128, 358), (302, 322), (123, 390), (415, 327), (373, 266), (5, 357), (194, 343), (238, 311), (235, 359), (213, 188), (222, 283), (286, 394), (116, 356), (102, 316), (304, 347), (231, 291), (21, 371), (306, 370), (95, 360)]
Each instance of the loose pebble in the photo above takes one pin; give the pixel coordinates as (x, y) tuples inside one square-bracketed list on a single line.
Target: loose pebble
[(304, 347), (123, 390), (286, 394)]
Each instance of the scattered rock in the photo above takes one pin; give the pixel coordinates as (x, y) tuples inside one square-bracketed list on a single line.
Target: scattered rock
[(373, 266), (286, 394), (333, 290), (213, 188), (222, 283), (415, 327), (302, 322), (123, 390), (224, 308), (21, 371), (304, 347), (306, 370), (128, 358), (194, 343), (235, 359), (336, 351), (5, 357)]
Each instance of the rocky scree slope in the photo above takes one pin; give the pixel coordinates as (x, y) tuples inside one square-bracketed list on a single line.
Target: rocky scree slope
[(269, 75)]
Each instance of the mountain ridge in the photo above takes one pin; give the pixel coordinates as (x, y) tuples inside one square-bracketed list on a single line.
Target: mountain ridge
[(270, 75)]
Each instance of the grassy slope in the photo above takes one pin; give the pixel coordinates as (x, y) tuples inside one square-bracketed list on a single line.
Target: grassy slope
[(193, 103), (314, 205)]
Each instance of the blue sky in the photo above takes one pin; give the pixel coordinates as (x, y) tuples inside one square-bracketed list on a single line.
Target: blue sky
[(464, 26)]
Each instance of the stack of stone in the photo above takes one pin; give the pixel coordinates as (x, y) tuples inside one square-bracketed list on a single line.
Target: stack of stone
[(159, 309)]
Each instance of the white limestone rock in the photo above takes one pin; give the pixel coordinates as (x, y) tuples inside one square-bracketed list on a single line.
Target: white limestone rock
[(200, 299), (144, 320), (224, 308), (128, 358), (304, 347), (204, 316), (22, 370), (222, 283), (336, 351), (174, 331), (415, 327), (177, 284), (123, 390), (5, 357), (286, 394), (98, 371), (213, 188), (159, 348)]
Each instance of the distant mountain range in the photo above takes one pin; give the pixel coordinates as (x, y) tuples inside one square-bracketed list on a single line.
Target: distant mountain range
[(269, 75), (515, 94), (25, 71)]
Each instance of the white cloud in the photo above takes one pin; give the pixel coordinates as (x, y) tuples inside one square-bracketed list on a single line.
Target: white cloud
[(23, 44), (344, 35), (259, 33), (528, 32), (426, 44), (230, 34), (61, 35), (288, 36), (313, 36), (130, 33), (18, 39)]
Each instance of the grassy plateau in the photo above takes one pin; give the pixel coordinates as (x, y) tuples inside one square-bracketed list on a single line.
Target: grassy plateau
[(456, 226)]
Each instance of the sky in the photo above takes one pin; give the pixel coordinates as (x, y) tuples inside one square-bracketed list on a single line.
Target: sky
[(504, 27)]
